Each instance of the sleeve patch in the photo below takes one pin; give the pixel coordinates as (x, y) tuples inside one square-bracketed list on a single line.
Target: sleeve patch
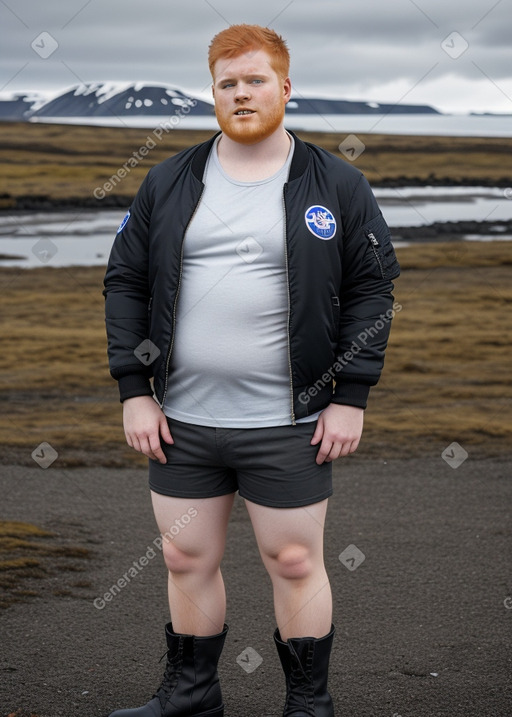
[(124, 222)]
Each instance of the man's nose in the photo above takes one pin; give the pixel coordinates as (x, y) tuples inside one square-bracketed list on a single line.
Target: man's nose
[(242, 92)]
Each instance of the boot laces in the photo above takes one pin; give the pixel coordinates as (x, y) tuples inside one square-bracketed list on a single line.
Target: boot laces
[(301, 694), (170, 678)]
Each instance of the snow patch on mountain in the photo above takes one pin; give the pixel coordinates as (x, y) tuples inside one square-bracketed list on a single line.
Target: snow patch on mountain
[(128, 102)]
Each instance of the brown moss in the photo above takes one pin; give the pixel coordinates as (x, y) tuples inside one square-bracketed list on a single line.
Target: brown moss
[(29, 553), (63, 161)]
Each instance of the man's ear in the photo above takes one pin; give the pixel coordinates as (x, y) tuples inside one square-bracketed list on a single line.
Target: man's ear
[(287, 89), (213, 91)]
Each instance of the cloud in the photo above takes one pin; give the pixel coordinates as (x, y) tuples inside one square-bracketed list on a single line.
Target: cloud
[(338, 49)]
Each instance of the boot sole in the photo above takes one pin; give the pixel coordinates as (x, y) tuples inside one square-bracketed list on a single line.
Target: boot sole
[(219, 712)]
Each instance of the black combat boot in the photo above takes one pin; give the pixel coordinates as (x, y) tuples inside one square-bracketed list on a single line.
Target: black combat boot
[(190, 686), (305, 662)]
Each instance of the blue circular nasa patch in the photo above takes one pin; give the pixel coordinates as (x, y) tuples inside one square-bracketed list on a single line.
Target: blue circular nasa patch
[(320, 222), (124, 222)]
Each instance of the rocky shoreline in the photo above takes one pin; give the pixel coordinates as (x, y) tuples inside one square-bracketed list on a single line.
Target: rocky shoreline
[(448, 231), (45, 203), (437, 231)]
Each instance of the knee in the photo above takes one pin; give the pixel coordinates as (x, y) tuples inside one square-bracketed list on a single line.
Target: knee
[(177, 560), (294, 562)]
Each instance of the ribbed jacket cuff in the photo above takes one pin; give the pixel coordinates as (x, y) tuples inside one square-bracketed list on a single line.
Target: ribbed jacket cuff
[(351, 394), (135, 384)]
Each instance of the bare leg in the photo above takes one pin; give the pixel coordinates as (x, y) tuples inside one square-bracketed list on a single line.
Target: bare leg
[(290, 541), (194, 533)]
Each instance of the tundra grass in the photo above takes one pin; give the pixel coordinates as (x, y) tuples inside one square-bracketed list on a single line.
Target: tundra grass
[(30, 557), (71, 162)]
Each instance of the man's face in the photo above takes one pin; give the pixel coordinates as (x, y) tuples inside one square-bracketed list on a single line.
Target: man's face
[(250, 97)]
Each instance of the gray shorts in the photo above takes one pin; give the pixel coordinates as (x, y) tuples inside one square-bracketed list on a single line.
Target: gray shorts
[(271, 466)]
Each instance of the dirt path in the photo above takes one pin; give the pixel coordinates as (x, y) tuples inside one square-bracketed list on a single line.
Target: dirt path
[(423, 623)]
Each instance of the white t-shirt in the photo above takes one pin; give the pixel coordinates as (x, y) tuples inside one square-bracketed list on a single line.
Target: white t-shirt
[(229, 365)]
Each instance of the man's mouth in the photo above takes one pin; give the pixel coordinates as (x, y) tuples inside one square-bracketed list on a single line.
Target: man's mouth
[(244, 112)]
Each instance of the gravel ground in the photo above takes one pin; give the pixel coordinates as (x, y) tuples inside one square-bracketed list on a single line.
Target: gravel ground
[(423, 622)]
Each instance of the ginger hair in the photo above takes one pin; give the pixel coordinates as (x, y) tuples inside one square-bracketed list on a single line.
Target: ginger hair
[(237, 39)]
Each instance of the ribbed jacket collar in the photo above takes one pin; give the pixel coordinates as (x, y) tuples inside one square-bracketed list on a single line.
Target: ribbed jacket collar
[(297, 167)]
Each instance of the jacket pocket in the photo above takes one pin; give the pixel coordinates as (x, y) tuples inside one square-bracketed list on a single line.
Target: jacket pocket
[(379, 240)]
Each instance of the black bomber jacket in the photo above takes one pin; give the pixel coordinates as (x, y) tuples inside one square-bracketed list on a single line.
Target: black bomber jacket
[(339, 264)]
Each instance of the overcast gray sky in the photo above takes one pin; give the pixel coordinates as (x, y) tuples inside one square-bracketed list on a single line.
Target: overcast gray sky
[(453, 54)]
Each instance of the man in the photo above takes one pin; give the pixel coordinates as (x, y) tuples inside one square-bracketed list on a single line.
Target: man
[(251, 282)]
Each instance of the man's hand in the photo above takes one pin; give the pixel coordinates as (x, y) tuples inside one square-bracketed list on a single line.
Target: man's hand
[(339, 429), (144, 423)]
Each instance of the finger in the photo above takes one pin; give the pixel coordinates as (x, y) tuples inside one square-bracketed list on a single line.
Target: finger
[(141, 445), (334, 453), (354, 445), (323, 452), (135, 443), (156, 449), (319, 432), (165, 432), (146, 450), (346, 448)]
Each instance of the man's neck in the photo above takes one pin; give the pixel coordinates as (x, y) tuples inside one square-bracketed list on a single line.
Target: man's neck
[(253, 162)]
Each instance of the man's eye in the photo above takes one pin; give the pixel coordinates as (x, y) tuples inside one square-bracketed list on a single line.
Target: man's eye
[(257, 80)]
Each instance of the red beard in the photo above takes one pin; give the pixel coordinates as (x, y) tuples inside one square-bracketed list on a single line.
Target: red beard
[(253, 129)]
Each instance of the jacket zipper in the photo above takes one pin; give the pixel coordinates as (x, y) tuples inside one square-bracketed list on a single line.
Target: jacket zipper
[(176, 303), (289, 306), (374, 243)]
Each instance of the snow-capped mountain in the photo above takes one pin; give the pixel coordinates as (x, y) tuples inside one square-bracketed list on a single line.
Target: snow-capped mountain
[(104, 99), (318, 105), (124, 101), (121, 100), (19, 105)]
